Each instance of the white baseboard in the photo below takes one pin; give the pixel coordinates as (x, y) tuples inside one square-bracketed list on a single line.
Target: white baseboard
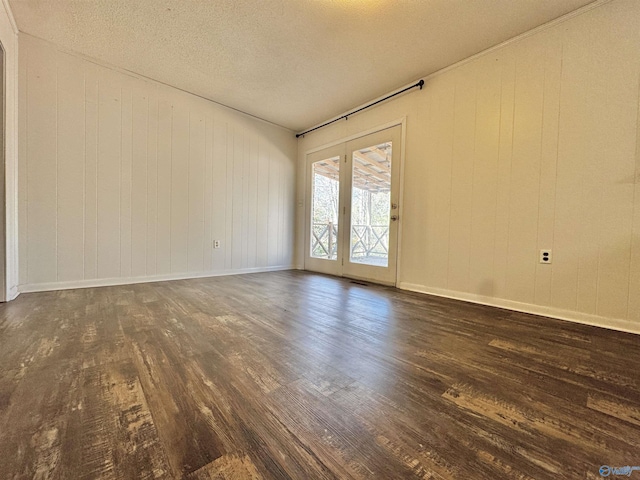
[(569, 315), (108, 282), (13, 293)]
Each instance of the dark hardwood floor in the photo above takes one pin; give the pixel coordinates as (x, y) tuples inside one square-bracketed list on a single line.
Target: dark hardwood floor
[(303, 376)]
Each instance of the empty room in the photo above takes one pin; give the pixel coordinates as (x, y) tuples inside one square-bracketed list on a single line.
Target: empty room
[(320, 239)]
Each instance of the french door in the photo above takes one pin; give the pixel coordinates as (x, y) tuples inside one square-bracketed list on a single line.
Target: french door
[(352, 208)]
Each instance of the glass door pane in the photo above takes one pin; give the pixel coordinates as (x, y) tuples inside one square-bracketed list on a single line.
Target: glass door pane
[(325, 204), (352, 213), (370, 205)]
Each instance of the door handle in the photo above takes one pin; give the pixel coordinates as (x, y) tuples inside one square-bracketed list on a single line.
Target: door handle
[(394, 218)]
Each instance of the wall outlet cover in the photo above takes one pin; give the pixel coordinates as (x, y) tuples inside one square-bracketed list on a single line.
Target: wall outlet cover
[(545, 256)]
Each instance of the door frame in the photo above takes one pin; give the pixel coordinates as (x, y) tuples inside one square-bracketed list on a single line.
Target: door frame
[(3, 177), (402, 122)]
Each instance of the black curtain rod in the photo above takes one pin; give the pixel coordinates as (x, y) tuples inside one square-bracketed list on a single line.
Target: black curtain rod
[(346, 117)]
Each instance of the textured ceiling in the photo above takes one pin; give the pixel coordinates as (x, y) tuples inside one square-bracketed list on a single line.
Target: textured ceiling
[(292, 62)]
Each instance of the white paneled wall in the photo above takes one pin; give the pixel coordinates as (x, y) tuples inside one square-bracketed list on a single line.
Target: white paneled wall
[(532, 145), (123, 179)]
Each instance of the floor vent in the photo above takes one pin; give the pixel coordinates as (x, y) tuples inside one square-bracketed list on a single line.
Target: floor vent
[(359, 283)]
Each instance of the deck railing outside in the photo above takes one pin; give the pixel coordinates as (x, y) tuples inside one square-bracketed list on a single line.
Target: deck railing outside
[(323, 241), (367, 241)]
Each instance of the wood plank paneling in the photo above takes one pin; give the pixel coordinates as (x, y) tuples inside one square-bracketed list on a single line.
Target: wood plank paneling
[(220, 207), (229, 213), (126, 164), (152, 180), (503, 184), (252, 199), (197, 178), (164, 192), (91, 89), (70, 174), (573, 137), (463, 158), (284, 207), (41, 115), (139, 180), (263, 207), (208, 203), (485, 179), (525, 172), (238, 199), (180, 147), (620, 78), (109, 174), (413, 207), (548, 163), (244, 212), (123, 178), (588, 236), (273, 218), (439, 182)]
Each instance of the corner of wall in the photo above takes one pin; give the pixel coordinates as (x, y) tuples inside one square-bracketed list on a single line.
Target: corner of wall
[(9, 39)]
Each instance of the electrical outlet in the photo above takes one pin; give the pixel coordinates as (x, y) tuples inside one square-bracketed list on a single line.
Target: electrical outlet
[(545, 256), (216, 244)]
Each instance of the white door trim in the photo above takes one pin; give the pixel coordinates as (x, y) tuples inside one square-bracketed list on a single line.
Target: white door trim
[(400, 121)]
